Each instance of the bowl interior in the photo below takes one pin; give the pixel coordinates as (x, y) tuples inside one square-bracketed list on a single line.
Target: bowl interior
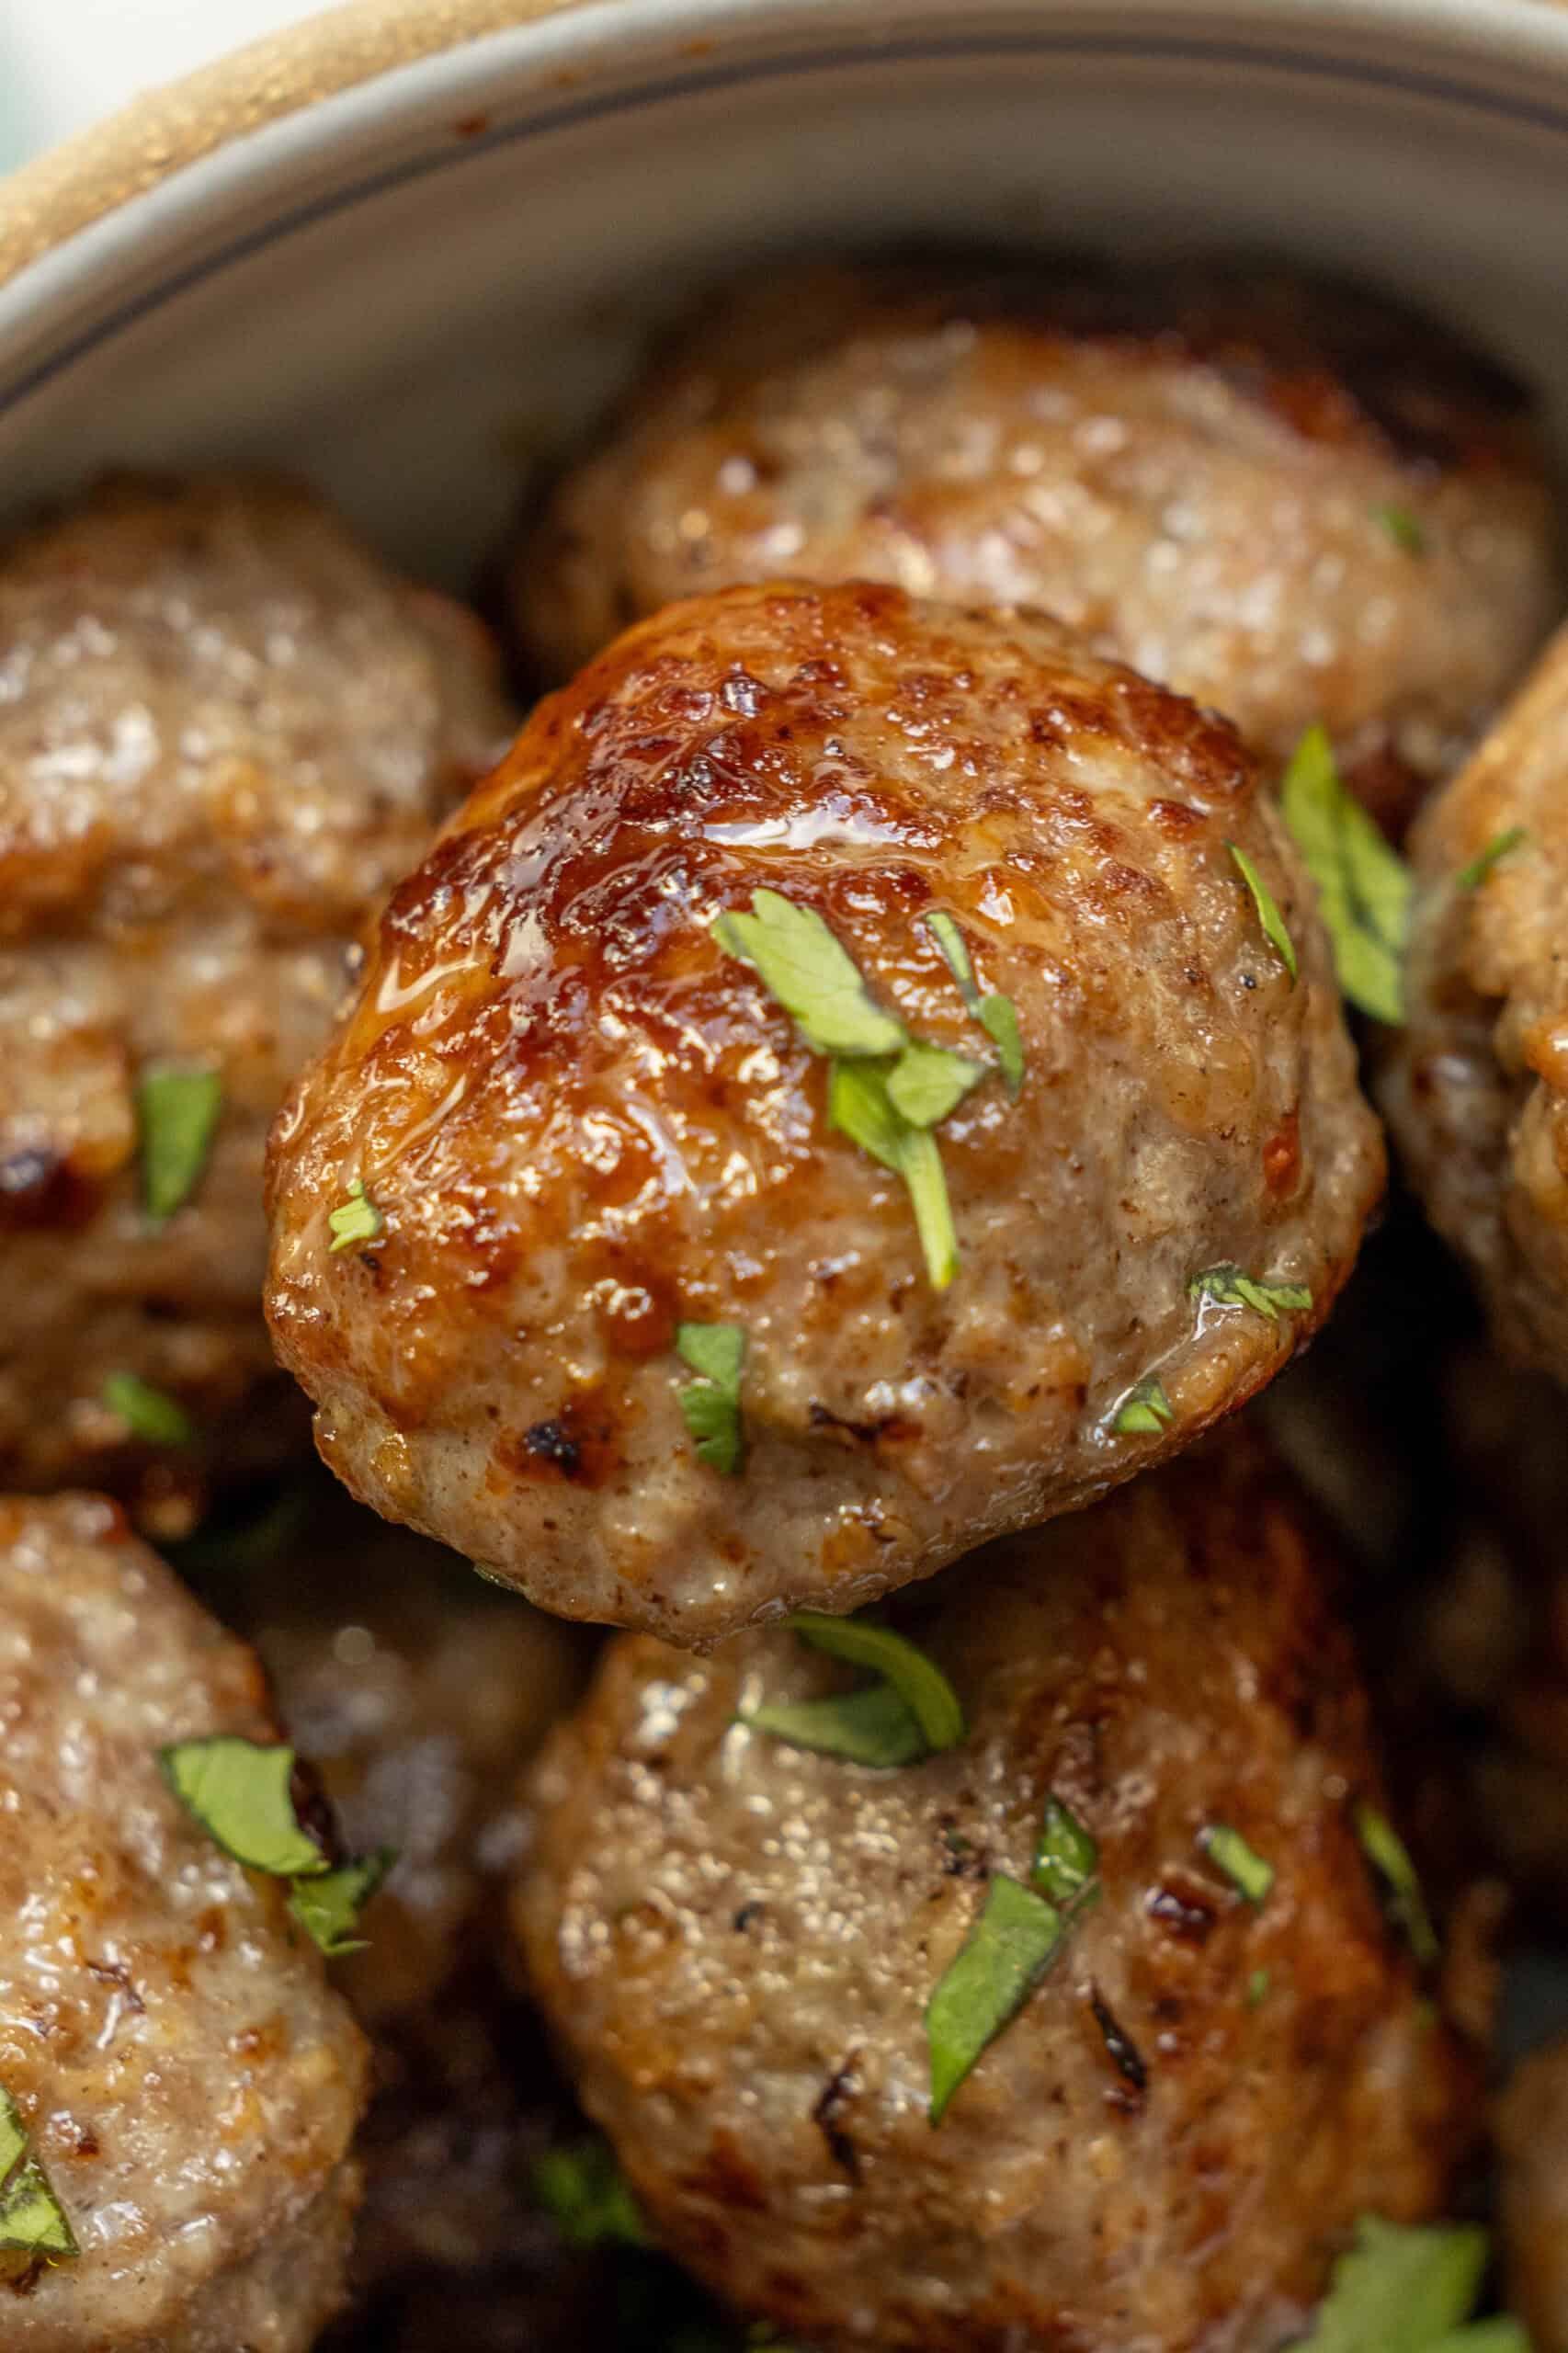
[(416, 289)]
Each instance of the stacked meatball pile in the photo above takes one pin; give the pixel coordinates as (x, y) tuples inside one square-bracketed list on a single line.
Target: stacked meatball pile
[(800, 1166)]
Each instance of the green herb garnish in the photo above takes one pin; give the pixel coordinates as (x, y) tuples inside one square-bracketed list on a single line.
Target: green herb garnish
[(1472, 877), (1230, 1287), (1405, 528), (859, 1106), (1006, 1954), (1251, 1873), (872, 1727), (1364, 889), (1257, 1988), (814, 979), (1389, 1857), (927, 1081), (711, 1404), (355, 1219), (586, 2192), (32, 2221), (919, 1680), (176, 1113), (327, 1904), (1407, 2290), (149, 1414), (1067, 1858), (1145, 1408), (996, 1015), (1268, 914)]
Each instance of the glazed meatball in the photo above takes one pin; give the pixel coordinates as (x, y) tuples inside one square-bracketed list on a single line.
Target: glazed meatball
[(736, 1939), (1290, 499), (225, 730), (583, 1127), (1532, 2136), (1476, 1083), (188, 2080)]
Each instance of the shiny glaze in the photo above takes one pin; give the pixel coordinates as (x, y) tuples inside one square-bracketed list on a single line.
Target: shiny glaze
[(582, 1123)]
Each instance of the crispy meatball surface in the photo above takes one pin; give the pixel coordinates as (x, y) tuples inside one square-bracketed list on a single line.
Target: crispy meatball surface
[(735, 1941), (1475, 1084), (1532, 2140), (579, 1123), (225, 730), (1291, 499), (189, 2080)]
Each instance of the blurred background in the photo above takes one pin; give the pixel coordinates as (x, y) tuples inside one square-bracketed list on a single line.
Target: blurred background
[(63, 62)]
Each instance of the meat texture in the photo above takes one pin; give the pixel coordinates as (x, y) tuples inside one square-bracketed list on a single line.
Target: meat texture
[(1476, 1084), (736, 1941), (189, 2080), (1532, 2136), (225, 730), (1290, 498), (581, 1124)]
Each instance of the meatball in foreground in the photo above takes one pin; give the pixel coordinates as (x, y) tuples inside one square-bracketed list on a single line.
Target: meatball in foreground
[(225, 730), (186, 2077), (1291, 499), (674, 1306), (1476, 1083), (1226, 2061)]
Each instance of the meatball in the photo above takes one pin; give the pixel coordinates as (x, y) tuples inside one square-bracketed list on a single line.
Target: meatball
[(1291, 499), (736, 1939), (582, 1128), (225, 730), (188, 2080), (1532, 2137), (1475, 1084)]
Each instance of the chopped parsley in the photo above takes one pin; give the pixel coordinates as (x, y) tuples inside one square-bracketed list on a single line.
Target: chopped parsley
[(149, 1414), (176, 1112), (927, 1081), (919, 1680), (1229, 1286), (1268, 914), (1364, 887), (241, 1791), (996, 1015), (859, 1106), (1390, 1859), (1067, 1858), (1145, 1407), (1403, 527), (1410, 2291), (1248, 1871), (33, 2222), (711, 1404), (814, 979), (872, 1726), (355, 1219), (1472, 877), (585, 2192), (1257, 1988)]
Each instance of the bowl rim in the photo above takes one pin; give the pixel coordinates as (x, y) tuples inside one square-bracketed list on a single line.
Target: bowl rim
[(165, 132)]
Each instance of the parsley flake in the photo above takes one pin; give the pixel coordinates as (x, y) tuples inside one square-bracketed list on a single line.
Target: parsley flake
[(1145, 1407), (176, 1113), (927, 1081), (1067, 1858), (1229, 1286), (32, 2221), (1268, 914), (996, 1014), (711, 1404), (355, 1219), (1472, 877), (1006, 1954), (1257, 1988), (327, 1904), (1403, 527), (859, 1106), (1249, 1872), (241, 1792), (585, 2192), (919, 1680), (149, 1414), (1408, 2291), (1364, 887), (813, 978), (873, 1726), (1389, 1857)]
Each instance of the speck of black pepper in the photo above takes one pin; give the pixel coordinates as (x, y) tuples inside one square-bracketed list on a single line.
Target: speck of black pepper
[(552, 1443), (746, 1917), (1124, 2052)]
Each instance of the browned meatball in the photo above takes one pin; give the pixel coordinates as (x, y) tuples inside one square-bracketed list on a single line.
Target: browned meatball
[(188, 2079), (1532, 2135), (225, 730), (1476, 1083), (1291, 499), (581, 1124), (736, 1939)]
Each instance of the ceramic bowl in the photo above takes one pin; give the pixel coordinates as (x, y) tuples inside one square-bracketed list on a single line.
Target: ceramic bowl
[(406, 248)]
